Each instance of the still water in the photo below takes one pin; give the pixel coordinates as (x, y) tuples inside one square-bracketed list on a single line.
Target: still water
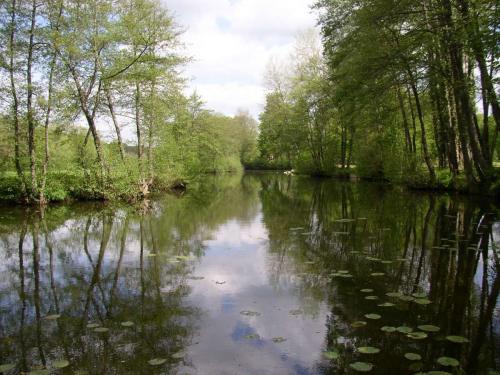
[(254, 274)]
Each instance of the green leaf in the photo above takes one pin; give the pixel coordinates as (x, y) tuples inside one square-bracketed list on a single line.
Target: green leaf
[(372, 316), (157, 361), (417, 335), (127, 324), (457, 339), (448, 361), (366, 290), (388, 329), (413, 356), (52, 317), (331, 354), (368, 350), (361, 366), (61, 363), (358, 324), (429, 328), (404, 329), (101, 329)]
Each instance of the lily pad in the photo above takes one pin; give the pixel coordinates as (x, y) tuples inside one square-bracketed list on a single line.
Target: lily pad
[(406, 298), (93, 325), (52, 317), (127, 324), (7, 367), (388, 329), (278, 339), (182, 354), (417, 335), (419, 295), (422, 301), (404, 329), (361, 366), (368, 350), (249, 313), (331, 354), (377, 274), (43, 371), (413, 356), (366, 290), (61, 363), (394, 294), (101, 329), (295, 312), (252, 336), (457, 339), (429, 328), (358, 324), (371, 298), (386, 304), (372, 316), (448, 361), (157, 361)]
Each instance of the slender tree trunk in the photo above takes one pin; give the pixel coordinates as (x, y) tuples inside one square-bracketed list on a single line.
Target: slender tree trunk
[(405, 121), (111, 108), (138, 126), (29, 104)]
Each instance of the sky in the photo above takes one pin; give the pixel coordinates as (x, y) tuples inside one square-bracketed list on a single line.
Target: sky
[(232, 41)]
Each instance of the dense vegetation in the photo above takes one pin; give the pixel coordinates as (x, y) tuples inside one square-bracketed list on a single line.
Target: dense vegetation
[(404, 91), (71, 69)]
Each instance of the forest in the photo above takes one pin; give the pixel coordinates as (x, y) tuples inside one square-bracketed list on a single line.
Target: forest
[(94, 102)]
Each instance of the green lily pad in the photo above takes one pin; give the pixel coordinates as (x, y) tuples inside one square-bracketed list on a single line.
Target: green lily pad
[(422, 301), (343, 271), (404, 329), (372, 316), (388, 329), (52, 317), (7, 367), (394, 294), (278, 339), (406, 298), (366, 290), (448, 361), (101, 329), (331, 355), (371, 298), (416, 366), (127, 324), (419, 295), (413, 356), (358, 324), (61, 363), (252, 336), (368, 350), (182, 354), (361, 366), (93, 325), (157, 361), (377, 274), (429, 328), (249, 313), (386, 262), (386, 304), (457, 339), (39, 372), (417, 335)]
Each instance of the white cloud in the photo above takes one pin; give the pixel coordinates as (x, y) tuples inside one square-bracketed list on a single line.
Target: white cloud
[(231, 42)]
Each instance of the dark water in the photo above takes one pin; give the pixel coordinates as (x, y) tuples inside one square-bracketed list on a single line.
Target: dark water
[(260, 274)]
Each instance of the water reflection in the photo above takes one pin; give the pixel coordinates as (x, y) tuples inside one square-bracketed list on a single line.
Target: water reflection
[(111, 288)]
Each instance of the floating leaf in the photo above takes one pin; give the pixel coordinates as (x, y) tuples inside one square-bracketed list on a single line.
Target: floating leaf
[(61, 363), (93, 325), (251, 336), (429, 328), (417, 335), (368, 350), (295, 312), (422, 301), (404, 329), (358, 324), (416, 366), (249, 313), (413, 356), (371, 298), (366, 290), (372, 316), (331, 355), (7, 367), (52, 317), (101, 329), (377, 274), (394, 294), (457, 339), (157, 361), (278, 339), (361, 366), (419, 295), (39, 372), (448, 361), (406, 298), (388, 329), (182, 354), (127, 324), (386, 304), (343, 271)]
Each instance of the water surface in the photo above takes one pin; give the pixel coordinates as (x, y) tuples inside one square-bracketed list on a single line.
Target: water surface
[(254, 274)]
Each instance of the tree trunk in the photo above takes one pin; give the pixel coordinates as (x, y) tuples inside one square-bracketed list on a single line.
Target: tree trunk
[(111, 108), (29, 105), (138, 126)]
